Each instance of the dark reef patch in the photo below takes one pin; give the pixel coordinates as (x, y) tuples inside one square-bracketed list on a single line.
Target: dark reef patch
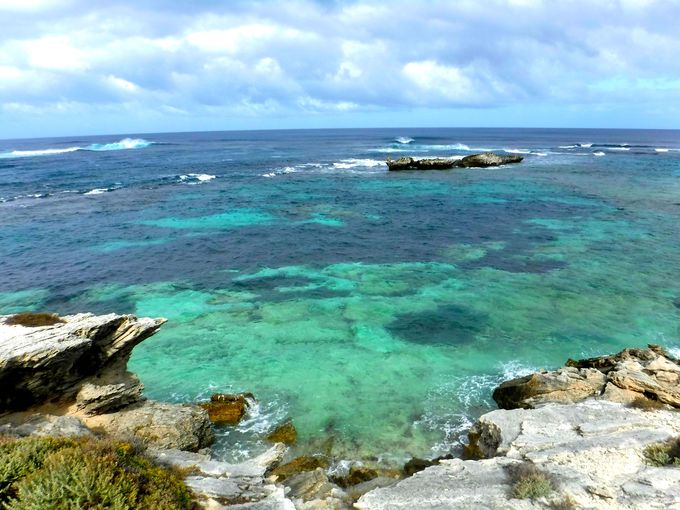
[(451, 324)]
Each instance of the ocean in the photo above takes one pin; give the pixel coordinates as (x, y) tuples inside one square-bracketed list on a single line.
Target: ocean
[(376, 309)]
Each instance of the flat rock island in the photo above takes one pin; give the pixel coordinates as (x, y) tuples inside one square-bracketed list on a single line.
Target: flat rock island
[(483, 160)]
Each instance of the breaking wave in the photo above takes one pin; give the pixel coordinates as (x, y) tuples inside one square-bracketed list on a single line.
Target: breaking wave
[(196, 178), (124, 144), (404, 139)]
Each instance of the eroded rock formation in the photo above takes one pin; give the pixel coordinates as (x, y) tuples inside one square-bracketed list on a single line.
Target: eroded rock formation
[(484, 160), (76, 367), (647, 377)]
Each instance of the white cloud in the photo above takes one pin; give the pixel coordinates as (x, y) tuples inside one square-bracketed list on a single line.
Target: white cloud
[(443, 82), (274, 58)]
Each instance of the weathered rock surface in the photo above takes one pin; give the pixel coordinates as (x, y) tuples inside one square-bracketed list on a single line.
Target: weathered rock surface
[(488, 159), (51, 363), (484, 160), (158, 425), (633, 375), (226, 409), (593, 450), (284, 433), (46, 425)]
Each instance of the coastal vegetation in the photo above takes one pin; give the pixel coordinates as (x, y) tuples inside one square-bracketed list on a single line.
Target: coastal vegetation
[(663, 454), (529, 482), (46, 473)]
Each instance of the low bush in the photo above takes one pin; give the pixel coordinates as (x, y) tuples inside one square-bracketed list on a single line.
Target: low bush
[(34, 319), (529, 482), (67, 474), (663, 454)]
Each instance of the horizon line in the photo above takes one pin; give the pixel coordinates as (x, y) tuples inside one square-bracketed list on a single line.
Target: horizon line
[(336, 129)]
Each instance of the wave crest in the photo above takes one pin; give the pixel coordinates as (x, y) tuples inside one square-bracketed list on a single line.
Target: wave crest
[(124, 144)]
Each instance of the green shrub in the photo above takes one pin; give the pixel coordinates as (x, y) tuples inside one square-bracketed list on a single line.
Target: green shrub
[(34, 319), (529, 482), (663, 454), (69, 474)]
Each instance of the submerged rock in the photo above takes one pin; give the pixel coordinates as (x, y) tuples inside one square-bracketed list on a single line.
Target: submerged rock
[(299, 465), (226, 409), (632, 375), (284, 433), (483, 160)]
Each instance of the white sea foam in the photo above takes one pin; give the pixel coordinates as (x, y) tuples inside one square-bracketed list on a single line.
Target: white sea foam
[(97, 191), (358, 163), (196, 178), (598, 153), (391, 149), (403, 139), (124, 144), (270, 174), (675, 352), (42, 152), (618, 148), (540, 153), (585, 145), (661, 149), (517, 151)]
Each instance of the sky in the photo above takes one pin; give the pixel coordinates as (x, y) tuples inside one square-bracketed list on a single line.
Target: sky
[(72, 67)]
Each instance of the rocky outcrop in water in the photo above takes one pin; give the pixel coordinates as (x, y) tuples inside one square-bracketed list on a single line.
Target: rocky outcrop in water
[(52, 368), (586, 450), (648, 377), (484, 160)]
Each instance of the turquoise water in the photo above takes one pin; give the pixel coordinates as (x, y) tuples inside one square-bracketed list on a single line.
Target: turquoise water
[(376, 310)]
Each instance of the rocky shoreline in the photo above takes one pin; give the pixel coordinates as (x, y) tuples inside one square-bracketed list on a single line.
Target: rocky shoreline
[(583, 431)]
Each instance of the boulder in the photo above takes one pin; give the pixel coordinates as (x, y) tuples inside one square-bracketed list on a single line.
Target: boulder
[(409, 163), (226, 409), (50, 363), (284, 433), (158, 425), (632, 375), (488, 159), (564, 385)]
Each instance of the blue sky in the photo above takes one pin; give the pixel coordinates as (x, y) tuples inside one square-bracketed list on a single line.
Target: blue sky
[(92, 67)]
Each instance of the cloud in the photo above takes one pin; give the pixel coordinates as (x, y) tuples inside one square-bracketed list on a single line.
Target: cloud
[(282, 59)]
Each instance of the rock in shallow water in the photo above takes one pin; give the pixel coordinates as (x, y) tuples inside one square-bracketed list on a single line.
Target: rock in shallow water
[(226, 409), (484, 160), (632, 375)]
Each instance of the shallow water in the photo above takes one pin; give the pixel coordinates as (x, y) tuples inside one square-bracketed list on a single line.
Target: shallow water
[(376, 309)]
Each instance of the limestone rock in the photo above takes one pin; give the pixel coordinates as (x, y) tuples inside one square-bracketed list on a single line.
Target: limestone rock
[(409, 163), (46, 425), (104, 394), (202, 464), (593, 449), (488, 159), (564, 385), (226, 409), (298, 465), (49, 363), (159, 425), (484, 160), (284, 433), (632, 375)]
